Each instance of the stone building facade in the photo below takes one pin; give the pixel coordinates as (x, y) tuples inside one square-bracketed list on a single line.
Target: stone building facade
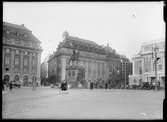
[(143, 63), (99, 62), (21, 54)]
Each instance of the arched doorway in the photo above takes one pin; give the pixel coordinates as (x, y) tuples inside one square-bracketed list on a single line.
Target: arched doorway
[(16, 78), (25, 80), (6, 79)]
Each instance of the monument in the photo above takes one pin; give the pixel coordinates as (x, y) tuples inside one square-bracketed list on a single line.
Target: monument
[(75, 73)]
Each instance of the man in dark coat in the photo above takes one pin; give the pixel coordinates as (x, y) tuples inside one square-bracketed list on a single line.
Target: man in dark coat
[(64, 85), (91, 85), (106, 85)]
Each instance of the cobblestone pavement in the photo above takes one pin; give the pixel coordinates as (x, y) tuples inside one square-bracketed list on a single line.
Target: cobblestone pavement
[(49, 103)]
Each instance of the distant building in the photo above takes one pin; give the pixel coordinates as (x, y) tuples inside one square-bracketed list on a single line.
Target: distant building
[(99, 62), (21, 54), (44, 71), (143, 63)]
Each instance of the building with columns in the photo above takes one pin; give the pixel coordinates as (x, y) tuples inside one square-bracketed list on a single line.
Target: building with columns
[(21, 54), (98, 61), (143, 63)]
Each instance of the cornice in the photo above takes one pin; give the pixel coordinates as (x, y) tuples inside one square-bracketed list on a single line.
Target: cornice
[(22, 47)]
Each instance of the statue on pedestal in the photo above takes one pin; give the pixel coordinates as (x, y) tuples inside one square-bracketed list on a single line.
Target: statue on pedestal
[(74, 57)]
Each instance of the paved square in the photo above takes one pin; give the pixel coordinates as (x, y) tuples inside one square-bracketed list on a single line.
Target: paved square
[(47, 103)]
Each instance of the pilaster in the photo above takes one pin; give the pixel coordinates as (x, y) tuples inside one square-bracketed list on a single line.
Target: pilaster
[(12, 63), (30, 63), (63, 67), (21, 62), (38, 68)]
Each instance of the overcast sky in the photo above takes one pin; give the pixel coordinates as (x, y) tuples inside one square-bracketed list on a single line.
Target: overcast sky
[(123, 25)]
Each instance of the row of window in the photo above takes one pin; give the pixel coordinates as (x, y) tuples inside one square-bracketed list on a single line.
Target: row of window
[(147, 66), (15, 33), (17, 60), (17, 63)]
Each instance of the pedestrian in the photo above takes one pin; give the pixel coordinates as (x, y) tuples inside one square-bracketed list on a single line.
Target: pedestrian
[(91, 85), (34, 83), (63, 86), (106, 85), (10, 85)]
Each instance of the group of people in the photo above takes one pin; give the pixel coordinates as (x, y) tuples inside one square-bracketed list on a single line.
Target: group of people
[(98, 85), (10, 84)]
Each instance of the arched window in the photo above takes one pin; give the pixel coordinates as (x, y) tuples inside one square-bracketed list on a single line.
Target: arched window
[(6, 78), (69, 74), (7, 59)]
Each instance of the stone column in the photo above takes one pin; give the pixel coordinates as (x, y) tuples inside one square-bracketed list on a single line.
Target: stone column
[(133, 66), (86, 70), (63, 68), (38, 68), (21, 65), (95, 69), (3, 63), (100, 76), (12, 64), (107, 70), (30, 63)]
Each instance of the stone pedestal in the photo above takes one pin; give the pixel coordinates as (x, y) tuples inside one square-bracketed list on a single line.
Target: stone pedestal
[(72, 73)]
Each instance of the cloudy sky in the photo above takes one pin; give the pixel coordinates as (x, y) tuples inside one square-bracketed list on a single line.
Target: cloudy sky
[(123, 25)]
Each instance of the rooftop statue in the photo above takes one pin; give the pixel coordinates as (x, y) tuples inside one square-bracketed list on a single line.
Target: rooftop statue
[(65, 35)]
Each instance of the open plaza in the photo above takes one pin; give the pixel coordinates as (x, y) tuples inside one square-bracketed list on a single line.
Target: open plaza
[(51, 103), (85, 61)]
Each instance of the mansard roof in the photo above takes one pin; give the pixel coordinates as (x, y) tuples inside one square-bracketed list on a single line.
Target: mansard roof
[(22, 28), (81, 44), (86, 45)]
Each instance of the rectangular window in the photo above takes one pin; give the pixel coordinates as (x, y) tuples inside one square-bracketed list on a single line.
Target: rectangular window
[(7, 59), (25, 70), (140, 70), (25, 62), (16, 60), (110, 68)]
